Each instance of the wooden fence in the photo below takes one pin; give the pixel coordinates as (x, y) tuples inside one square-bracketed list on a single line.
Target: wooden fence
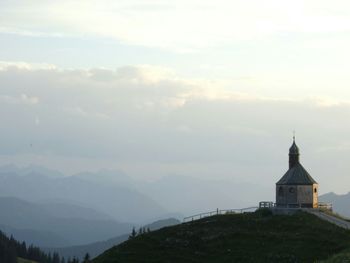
[(219, 212)]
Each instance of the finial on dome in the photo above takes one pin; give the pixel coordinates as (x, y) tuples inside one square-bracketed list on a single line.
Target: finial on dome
[(294, 136)]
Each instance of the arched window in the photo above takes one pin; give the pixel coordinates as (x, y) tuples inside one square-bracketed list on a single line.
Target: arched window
[(280, 191), (315, 190), (291, 190)]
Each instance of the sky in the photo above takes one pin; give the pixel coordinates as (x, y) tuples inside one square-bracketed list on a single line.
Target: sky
[(209, 89)]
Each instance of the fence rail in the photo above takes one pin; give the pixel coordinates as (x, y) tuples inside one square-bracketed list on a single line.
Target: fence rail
[(262, 204), (269, 204), (219, 212)]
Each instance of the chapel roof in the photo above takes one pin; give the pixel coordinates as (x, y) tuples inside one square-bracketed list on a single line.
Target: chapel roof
[(296, 175)]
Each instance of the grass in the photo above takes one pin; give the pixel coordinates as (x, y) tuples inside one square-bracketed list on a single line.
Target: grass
[(22, 260), (251, 237), (342, 257)]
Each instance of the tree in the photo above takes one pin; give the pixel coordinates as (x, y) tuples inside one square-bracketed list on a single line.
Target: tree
[(87, 258), (55, 258), (133, 233)]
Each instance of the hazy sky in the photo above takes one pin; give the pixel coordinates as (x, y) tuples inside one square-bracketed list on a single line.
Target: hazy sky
[(205, 88)]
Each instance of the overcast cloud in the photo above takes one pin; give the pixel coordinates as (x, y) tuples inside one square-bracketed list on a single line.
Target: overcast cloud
[(180, 25), (209, 89), (150, 122)]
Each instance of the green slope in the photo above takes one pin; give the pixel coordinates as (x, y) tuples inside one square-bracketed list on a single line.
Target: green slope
[(254, 237), (342, 257), (22, 260)]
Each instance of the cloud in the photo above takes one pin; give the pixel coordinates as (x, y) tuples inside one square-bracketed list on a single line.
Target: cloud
[(146, 116), (37, 121), (179, 25), (22, 99), (7, 65), (77, 111)]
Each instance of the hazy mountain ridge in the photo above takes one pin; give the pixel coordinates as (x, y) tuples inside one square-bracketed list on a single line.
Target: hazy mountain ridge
[(340, 202), (79, 199), (119, 202), (202, 195), (145, 200), (35, 169), (23, 218)]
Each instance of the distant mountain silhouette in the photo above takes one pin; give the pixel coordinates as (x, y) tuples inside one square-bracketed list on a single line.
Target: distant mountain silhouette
[(120, 202), (13, 169), (94, 249), (199, 195), (37, 224), (64, 210), (341, 203), (125, 199), (107, 177)]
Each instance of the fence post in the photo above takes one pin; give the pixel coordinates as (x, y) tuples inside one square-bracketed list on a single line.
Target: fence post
[(217, 211)]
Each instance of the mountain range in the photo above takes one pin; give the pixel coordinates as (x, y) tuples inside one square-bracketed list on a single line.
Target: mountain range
[(42, 225), (90, 212), (121, 203), (340, 202)]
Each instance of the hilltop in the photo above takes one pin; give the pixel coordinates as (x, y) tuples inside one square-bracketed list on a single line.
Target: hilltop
[(251, 237)]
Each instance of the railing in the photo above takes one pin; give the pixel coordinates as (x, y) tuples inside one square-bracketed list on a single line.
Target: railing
[(269, 204), (219, 212), (262, 204), (266, 204), (327, 206)]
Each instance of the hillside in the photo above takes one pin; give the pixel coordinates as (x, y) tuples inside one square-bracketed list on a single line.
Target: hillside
[(253, 237), (22, 260), (96, 248), (13, 251)]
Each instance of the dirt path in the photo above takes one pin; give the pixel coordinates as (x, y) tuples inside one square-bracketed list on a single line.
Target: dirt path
[(332, 219)]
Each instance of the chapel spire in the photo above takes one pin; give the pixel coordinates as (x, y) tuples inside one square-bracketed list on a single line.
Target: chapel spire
[(293, 154)]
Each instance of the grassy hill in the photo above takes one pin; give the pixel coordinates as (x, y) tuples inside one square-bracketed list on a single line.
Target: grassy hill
[(22, 260), (97, 248), (253, 237)]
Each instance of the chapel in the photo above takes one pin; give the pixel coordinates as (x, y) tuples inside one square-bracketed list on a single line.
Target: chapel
[(296, 188)]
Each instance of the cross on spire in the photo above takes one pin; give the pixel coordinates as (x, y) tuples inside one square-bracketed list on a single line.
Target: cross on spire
[(293, 135)]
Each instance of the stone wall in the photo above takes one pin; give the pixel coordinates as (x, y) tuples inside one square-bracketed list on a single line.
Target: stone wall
[(305, 194), (286, 194), (297, 194)]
